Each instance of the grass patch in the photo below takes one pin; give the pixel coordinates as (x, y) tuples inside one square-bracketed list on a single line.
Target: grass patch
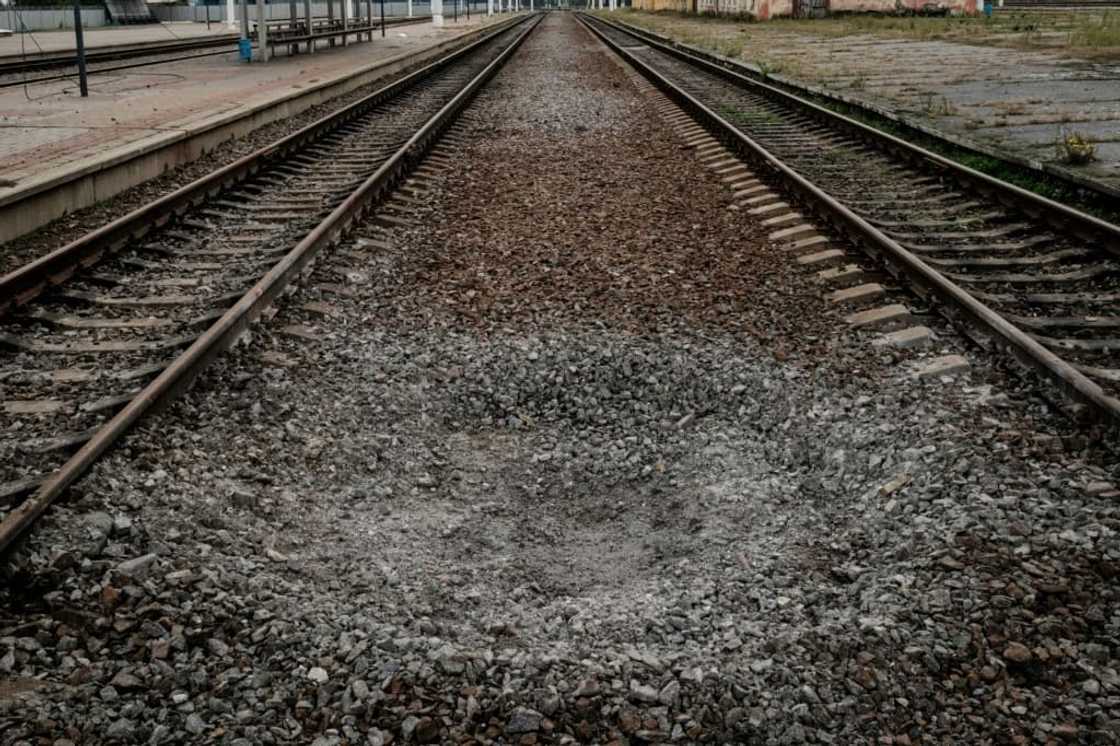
[(1097, 33), (937, 106), (1067, 32), (1090, 34), (732, 48)]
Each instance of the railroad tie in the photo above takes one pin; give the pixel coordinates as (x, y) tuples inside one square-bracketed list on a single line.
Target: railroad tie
[(946, 366), (843, 276)]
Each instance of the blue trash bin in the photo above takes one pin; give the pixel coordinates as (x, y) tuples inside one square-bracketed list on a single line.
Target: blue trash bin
[(246, 47)]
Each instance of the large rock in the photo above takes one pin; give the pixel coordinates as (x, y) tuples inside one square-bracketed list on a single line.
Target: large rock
[(524, 720), (138, 567)]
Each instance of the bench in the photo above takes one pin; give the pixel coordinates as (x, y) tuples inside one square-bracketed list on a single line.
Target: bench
[(285, 33)]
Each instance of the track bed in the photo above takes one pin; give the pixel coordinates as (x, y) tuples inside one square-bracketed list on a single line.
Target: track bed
[(570, 451)]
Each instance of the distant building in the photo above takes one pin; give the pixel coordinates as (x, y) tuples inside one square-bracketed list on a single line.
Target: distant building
[(765, 9)]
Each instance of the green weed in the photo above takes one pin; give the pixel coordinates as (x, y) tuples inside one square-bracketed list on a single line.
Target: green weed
[(1075, 148)]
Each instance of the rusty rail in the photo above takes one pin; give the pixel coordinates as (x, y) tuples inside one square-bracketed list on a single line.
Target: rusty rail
[(928, 280), (229, 328)]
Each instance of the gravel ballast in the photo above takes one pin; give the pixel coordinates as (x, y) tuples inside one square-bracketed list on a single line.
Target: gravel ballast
[(580, 457)]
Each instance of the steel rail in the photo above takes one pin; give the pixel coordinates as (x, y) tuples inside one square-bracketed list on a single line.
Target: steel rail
[(1081, 224), (27, 282), (114, 68), (929, 281), (225, 332)]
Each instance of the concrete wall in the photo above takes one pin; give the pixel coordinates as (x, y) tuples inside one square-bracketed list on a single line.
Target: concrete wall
[(765, 9), (760, 9), (891, 6), (681, 6), (48, 19)]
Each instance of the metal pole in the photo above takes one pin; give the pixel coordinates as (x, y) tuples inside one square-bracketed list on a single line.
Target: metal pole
[(369, 17), (262, 30), (231, 11), (383, 16), (83, 84), (293, 26), (344, 6), (310, 21), (244, 19), (207, 15)]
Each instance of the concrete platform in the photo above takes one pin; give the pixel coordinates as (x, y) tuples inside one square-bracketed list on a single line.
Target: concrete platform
[(59, 152)]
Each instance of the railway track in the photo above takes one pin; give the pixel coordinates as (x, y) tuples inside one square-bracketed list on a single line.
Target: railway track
[(37, 62), (105, 328), (52, 67), (1016, 271), (45, 68)]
